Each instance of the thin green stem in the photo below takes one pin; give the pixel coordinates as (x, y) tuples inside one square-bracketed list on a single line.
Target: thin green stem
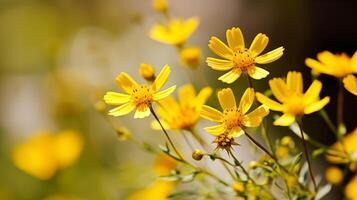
[(236, 161), (250, 82), (340, 99), (328, 121)]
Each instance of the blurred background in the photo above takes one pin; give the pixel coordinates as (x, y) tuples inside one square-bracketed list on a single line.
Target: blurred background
[(59, 57)]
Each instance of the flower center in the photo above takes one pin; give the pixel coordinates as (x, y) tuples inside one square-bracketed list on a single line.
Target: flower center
[(224, 141), (242, 59), (232, 118), (295, 105), (142, 96)]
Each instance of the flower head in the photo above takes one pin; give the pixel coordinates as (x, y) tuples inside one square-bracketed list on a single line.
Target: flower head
[(293, 102), (233, 118), (190, 56), (139, 96), (176, 32), (238, 59), (345, 150), (350, 83), (160, 5), (182, 115), (147, 72), (338, 65)]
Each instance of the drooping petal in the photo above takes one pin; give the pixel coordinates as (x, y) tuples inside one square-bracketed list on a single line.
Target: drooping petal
[(226, 98), (219, 48), (114, 98), (161, 78), (210, 113), (271, 56), (126, 82), (257, 73), (142, 113), (247, 100), (230, 76), (236, 132), (313, 92), (162, 94), (235, 38), (219, 64), (216, 130), (186, 94), (285, 120), (279, 89), (273, 105), (294, 82), (350, 83), (259, 43), (122, 110), (255, 118), (316, 106)]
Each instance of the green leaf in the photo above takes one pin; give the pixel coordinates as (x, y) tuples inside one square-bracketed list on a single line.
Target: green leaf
[(318, 152)]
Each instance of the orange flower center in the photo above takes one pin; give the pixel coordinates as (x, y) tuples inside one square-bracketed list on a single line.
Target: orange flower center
[(142, 96), (242, 59), (232, 118), (295, 105)]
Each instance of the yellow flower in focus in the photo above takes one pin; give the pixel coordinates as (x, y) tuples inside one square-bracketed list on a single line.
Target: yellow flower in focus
[(190, 56), (338, 65), (350, 83), (176, 32), (163, 165), (293, 102), (147, 72), (160, 5), (233, 118), (349, 142), (350, 189), (334, 175), (238, 59), (182, 115), (139, 96), (159, 190), (45, 153)]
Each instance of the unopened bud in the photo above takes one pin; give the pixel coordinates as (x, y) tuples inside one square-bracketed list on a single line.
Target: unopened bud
[(147, 72), (190, 56), (197, 154), (160, 6), (123, 133)]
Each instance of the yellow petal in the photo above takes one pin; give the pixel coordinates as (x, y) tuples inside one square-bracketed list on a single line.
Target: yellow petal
[(230, 76), (142, 113), (113, 98), (236, 132), (161, 78), (285, 120), (315, 65), (271, 56), (226, 98), (273, 105), (255, 118), (354, 62), (313, 92), (247, 100), (279, 89), (165, 93), (68, 146), (257, 73), (326, 57), (210, 113), (216, 130), (316, 106), (350, 83), (156, 126), (126, 82), (186, 94), (294, 82), (219, 64), (203, 95), (235, 38), (219, 48), (259, 43), (122, 110)]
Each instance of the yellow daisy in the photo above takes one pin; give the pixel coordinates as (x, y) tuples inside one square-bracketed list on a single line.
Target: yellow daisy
[(139, 96), (293, 102), (338, 65), (350, 83), (345, 149), (176, 32), (234, 118), (238, 59), (182, 115)]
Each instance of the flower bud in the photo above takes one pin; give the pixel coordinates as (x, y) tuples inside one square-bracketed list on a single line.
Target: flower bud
[(147, 72), (287, 141), (197, 154), (100, 106), (190, 56), (160, 6), (334, 175), (123, 133)]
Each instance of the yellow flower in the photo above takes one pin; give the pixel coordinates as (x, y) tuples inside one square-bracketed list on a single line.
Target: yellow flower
[(139, 96), (338, 65), (147, 72), (163, 165), (350, 83), (160, 5), (350, 189), (190, 56), (334, 175), (176, 32), (293, 102), (182, 115), (233, 118), (349, 142), (159, 190), (45, 153), (238, 59)]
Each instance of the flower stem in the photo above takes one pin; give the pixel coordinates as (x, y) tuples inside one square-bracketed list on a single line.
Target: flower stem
[(250, 81), (340, 98), (236, 161), (299, 122)]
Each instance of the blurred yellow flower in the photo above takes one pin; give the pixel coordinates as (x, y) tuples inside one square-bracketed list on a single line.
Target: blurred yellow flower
[(350, 189), (350, 83), (238, 59), (182, 115), (147, 72), (163, 165), (45, 153), (160, 5), (190, 56), (349, 142), (176, 32), (139, 96), (294, 103), (159, 190), (233, 118), (338, 65), (334, 175), (281, 152)]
